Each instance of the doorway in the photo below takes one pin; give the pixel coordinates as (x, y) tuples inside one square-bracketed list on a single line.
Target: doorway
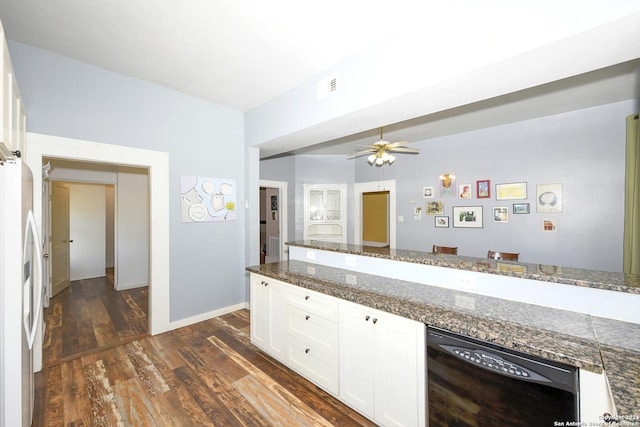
[(382, 187), (157, 164), (273, 221), (375, 218)]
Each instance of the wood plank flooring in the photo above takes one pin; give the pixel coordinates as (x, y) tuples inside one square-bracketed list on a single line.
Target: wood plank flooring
[(208, 374), (89, 316)]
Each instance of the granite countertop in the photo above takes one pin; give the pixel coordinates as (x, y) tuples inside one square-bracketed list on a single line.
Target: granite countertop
[(576, 339), (619, 282)]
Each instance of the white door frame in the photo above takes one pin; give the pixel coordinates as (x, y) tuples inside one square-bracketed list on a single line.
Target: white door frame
[(42, 146), (284, 207), (369, 187)]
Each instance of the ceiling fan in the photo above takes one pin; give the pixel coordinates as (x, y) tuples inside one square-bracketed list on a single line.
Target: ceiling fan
[(380, 152)]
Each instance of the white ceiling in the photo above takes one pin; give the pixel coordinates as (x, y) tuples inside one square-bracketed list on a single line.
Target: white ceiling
[(243, 53)]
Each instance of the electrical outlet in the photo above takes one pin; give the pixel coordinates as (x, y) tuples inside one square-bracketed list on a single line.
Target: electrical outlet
[(464, 281), (311, 271), (351, 279), (467, 302), (351, 261), (311, 255)]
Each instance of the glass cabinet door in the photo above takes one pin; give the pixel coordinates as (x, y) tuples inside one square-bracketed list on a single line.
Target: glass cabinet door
[(333, 205), (316, 205)]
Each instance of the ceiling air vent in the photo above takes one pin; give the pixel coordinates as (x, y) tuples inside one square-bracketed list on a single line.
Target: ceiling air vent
[(327, 86)]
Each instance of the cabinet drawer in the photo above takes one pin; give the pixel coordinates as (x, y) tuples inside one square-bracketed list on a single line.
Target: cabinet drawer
[(313, 363), (314, 303), (312, 328)]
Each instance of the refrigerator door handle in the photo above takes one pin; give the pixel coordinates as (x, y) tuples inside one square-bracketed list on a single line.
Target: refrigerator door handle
[(31, 329)]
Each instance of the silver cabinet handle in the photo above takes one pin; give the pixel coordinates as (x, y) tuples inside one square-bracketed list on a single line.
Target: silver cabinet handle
[(375, 320), (367, 318), (306, 297), (306, 350), (306, 317)]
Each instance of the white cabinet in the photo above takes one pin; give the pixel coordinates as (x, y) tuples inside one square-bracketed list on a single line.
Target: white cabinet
[(13, 117), (312, 337), (371, 360), (325, 212), (267, 315), (382, 365)]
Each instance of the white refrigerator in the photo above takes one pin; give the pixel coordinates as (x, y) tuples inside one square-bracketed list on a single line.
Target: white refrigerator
[(20, 293)]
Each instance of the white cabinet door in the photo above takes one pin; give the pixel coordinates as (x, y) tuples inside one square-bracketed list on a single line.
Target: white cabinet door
[(356, 361), (12, 116), (267, 315), (399, 360), (382, 365)]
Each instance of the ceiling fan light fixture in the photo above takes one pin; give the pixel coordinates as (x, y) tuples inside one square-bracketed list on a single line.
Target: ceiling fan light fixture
[(391, 158), (371, 159)]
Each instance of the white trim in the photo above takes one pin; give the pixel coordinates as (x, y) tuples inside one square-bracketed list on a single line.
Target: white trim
[(367, 187), (206, 316), (284, 207), (40, 146)]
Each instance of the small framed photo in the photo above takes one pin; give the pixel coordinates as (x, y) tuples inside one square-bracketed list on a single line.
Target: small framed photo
[(483, 189), (435, 208), (464, 191), (511, 191), (447, 184), (549, 226), (467, 216), (427, 192), (442, 221), (549, 198), (521, 208), (500, 214)]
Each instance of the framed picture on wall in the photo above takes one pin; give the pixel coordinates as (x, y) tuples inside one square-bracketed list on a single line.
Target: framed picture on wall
[(447, 184), (427, 192), (549, 198), (435, 208), (521, 208), (467, 216), (465, 191), (442, 221), (500, 214), (483, 189), (511, 191)]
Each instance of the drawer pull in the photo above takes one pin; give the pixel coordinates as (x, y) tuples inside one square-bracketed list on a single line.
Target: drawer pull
[(375, 320), (367, 318), (264, 283), (306, 350), (306, 317), (306, 297)]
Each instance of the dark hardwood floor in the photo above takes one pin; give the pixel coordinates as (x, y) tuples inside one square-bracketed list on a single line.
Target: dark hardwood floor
[(101, 368)]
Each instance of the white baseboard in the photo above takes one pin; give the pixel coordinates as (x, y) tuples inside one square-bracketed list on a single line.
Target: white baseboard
[(206, 316)]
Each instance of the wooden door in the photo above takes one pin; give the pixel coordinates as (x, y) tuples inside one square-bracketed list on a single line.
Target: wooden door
[(59, 238), (375, 218)]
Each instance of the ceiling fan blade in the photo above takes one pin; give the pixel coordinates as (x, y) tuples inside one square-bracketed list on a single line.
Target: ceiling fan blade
[(405, 150), (361, 153), (398, 144)]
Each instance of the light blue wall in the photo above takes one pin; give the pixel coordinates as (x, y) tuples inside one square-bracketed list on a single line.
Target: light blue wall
[(71, 99), (283, 169), (299, 170), (584, 150)]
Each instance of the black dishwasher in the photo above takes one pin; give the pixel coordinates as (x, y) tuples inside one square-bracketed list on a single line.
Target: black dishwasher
[(474, 383)]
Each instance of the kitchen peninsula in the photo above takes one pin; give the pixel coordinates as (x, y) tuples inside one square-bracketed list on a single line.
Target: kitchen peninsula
[(582, 318)]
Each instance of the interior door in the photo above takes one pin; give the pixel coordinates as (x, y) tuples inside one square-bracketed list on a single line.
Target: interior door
[(87, 229), (60, 272), (375, 218)]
